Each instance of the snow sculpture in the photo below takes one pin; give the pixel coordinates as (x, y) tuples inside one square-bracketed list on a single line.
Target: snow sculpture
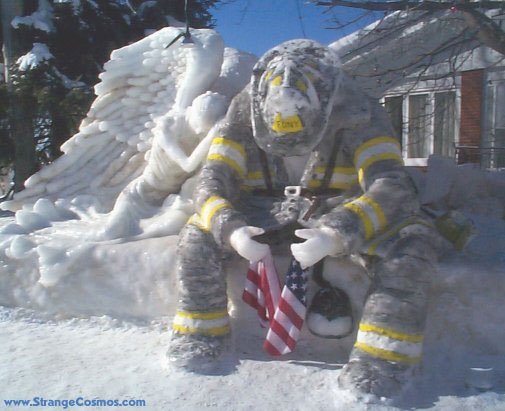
[(144, 136), (152, 101), (150, 118)]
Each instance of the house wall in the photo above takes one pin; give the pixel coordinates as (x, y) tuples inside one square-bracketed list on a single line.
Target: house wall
[(471, 108)]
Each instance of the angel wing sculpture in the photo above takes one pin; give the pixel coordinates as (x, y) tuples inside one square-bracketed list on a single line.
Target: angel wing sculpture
[(147, 131)]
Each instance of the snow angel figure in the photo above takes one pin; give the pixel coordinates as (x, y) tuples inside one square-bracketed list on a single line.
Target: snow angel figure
[(352, 195)]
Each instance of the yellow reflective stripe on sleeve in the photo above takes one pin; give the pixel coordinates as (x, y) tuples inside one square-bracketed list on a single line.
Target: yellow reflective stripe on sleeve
[(229, 152), (386, 354), (381, 218), (209, 209), (388, 332), (252, 180), (392, 231), (254, 175), (228, 161), (370, 213), (230, 143), (374, 159), (365, 219), (197, 221), (213, 315), (372, 143), (342, 178), (374, 150)]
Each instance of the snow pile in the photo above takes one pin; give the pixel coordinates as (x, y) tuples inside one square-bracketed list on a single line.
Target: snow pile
[(40, 20), (31, 60)]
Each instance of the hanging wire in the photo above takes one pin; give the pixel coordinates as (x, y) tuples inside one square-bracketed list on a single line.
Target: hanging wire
[(300, 18), (187, 35)]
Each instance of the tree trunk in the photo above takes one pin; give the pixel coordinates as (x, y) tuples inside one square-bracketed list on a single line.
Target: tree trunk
[(20, 110)]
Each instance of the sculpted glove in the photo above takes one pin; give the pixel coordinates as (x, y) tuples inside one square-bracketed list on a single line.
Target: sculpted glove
[(245, 246), (320, 243)]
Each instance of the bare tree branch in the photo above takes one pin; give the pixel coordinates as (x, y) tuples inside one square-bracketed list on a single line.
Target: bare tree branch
[(412, 5)]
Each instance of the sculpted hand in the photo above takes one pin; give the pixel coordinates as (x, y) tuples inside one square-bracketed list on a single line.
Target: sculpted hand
[(320, 243), (245, 246)]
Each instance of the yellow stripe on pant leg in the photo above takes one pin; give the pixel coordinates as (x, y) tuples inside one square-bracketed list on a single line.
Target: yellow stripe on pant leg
[(386, 355), (181, 329), (388, 332), (213, 315)]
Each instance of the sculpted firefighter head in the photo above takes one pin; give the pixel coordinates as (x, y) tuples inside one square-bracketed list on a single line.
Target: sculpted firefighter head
[(293, 88)]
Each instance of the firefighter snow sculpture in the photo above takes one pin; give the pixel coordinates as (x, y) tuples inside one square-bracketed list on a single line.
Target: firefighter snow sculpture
[(353, 196)]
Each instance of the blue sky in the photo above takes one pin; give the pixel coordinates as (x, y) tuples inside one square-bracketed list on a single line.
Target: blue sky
[(257, 25)]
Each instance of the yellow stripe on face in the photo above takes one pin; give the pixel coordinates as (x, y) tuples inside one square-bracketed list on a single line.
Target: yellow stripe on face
[(210, 208), (277, 81), (300, 85), (290, 124), (229, 152), (388, 332), (386, 354)]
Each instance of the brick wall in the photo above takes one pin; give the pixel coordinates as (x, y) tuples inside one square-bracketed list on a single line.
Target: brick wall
[(471, 106)]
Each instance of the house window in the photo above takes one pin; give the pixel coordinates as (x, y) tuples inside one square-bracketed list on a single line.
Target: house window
[(443, 130), (418, 142), (425, 122), (394, 107)]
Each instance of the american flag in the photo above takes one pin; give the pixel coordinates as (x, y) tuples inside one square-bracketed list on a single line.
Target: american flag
[(285, 311), (262, 288)]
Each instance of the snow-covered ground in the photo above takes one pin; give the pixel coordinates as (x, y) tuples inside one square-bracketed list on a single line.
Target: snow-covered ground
[(101, 332)]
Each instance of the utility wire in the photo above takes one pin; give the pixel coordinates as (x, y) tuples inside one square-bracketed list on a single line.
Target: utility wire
[(300, 18)]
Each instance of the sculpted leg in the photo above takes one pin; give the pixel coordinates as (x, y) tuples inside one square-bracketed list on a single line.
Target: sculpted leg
[(201, 327), (388, 348)]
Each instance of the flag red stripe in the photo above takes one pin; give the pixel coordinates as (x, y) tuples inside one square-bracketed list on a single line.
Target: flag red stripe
[(250, 299), (253, 302), (293, 316), (283, 334), (265, 279), (253, 277), (270, 349)]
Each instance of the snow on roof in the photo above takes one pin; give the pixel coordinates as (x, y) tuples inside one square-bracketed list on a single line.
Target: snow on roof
[(402, 45)]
